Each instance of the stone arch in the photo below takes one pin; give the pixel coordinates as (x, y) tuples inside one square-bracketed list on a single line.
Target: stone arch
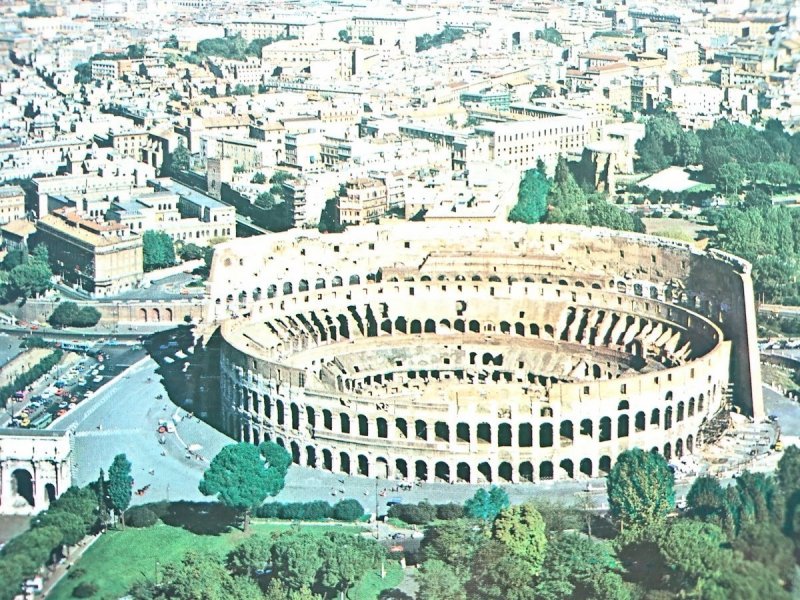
[(311, 456), (327, 419), (622, 426), (402, 427), (421, 470), (441, 431), (655, 418), (668, 451), (295, 449), (363, 426), (302, 285), (678, 447), (401, 468), (586, 428), (336, 281), (474, 326), (504, 434), (690, 443), (142, 313), (690, 410), (442, 471), (363, 465), (430, 326), (272, 290), (604, 465), (525, 435), (382, 426), (640, 419), (526, 471), (381, 467), (279, 411), (155, 315), (320, 283), (22, 485), (344, 422), (668, 418), (586, 467), (546, 470), (605, 429), (680, 413), (50, 492), (421, 429), (344, 462), (416, 327), (287, 288), (459, 325), (295, 411), (327, 460), (568, 468), (700, 403), (546, 435), (463, 472), (354, 280), (485, 469), (505, 471), (566, 433)]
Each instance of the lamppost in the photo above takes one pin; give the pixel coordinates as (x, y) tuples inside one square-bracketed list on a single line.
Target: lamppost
[(377, 535)]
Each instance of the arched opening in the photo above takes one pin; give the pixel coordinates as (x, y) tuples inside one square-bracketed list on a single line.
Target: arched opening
[(287, 288), (320, 284), (279, 411), (525, 435), (295, 416), (327, 419), (484, 433), (327, 460), (336, 281), (700, 403), (504, 434), (655, 418), (679, 416), (311, 456), (463, 472), (690, 411), (311, 416), (401, 468), (668, 451), (441, 431), (679, 448), (622, 426), (401, 325), (383, 427), (355, 280), (421, 429), (586, 467), (430, 326), (442, 471), (50, 492), (689, 444), (668, 418), (421, 470), (344, 462), (605, 429), (545, 436), (402, 427), (381, 468), (566, 433), (486, 471), (272, 289), (568, 468), (459, 326), (363, 426), (640, 421), (22, 485), (504, 471), (295, 453), (546, 471), (604, 465), (344, 422), (416, 326), (474, 326), (462, 432), (363, 465), (526, 471)]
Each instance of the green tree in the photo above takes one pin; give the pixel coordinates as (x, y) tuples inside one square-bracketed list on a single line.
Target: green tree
[(695, 552), (706, 498), (81, 502), (497, 574), (12, 259), (277, 591), (531, 203), (69, 314), (119, 485), (486, 505), (137, 51), (191, 251), (296, 558), (454, 542), (10, 577), (550, 34), (345, 561), (241, 479), (172, 42), (437, 580), (31, 278), (177, 161), (522, 530), (344, 35), (730, 177), (249, 555), (159, 251), (70, 525), (259, 178), (265, 200), (764, 543), (576, 566), (348, 509), (640, 489)]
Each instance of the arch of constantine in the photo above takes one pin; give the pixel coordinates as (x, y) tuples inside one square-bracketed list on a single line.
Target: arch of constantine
[(479, 353), (35, 469)]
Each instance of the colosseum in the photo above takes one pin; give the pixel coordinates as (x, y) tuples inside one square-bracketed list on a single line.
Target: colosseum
[(479, 353)]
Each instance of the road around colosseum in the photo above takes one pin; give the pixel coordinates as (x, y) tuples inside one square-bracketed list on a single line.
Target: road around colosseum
[(124, 417)]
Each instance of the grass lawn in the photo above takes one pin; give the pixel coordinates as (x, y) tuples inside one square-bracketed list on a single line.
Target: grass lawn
[(119, 558), (372, 584)]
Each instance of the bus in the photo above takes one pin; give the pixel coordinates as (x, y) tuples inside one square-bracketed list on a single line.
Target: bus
[(42, 421), (75, 346)]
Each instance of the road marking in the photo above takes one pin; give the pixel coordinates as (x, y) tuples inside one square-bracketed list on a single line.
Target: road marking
[(107, 432)]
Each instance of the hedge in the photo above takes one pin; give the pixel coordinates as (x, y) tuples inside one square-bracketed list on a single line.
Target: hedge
[(318, 510), (25, 379), (140, 516)]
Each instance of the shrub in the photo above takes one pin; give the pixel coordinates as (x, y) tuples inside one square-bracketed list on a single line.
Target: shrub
[(449, 511), (87, 589), (76, 573), (348, 510), (69, 314), (140, 516), (414, 514), (269, 511)]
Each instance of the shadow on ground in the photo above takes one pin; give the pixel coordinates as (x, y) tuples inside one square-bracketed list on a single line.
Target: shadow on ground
[(201, 518)]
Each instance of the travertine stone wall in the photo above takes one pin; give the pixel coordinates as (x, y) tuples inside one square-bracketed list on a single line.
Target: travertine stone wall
[(479, 353)]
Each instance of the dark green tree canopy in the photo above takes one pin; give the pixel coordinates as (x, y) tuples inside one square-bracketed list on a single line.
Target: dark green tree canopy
[(159, 251), (641, 489), (120, 483), (486, 505), (69, 314)]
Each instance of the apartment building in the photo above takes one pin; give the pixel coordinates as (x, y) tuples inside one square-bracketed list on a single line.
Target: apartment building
[(363, 200), (12, 203)]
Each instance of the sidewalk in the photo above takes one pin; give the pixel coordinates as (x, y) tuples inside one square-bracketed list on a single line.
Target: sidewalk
[(57, 573)]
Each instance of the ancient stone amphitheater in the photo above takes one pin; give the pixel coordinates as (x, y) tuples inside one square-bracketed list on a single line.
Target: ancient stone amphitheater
[(478, 353)]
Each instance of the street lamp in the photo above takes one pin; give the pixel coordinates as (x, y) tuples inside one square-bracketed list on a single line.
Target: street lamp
[(377, 535)]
